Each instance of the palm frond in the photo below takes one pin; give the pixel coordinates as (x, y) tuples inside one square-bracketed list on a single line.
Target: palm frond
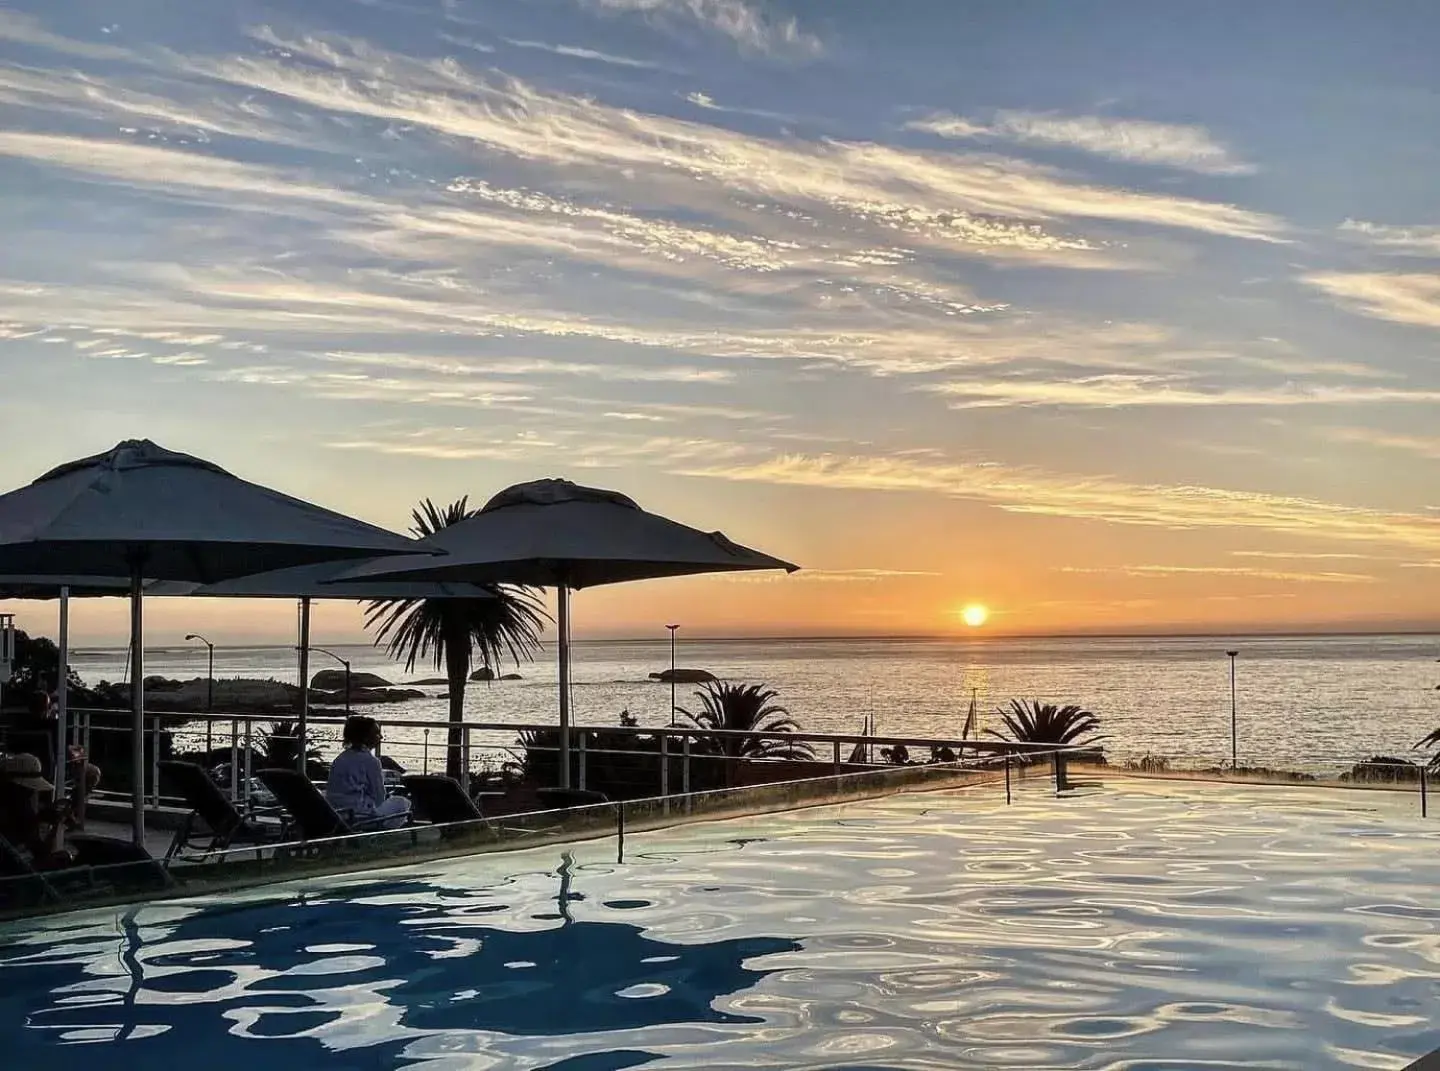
[(746, 708), (1034, 722), (454, 633)]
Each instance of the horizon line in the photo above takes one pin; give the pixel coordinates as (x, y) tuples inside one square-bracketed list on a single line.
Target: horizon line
[(1288, 633)]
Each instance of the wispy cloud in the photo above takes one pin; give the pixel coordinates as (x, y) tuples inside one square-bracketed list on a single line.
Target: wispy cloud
[(1036, 491), (1116, 390), (1404, 297), (875, 182), (1287, 576), (574, 52), (744, 23), (1419, 241), (1302, 555), (1138, 141), (1419, 445)]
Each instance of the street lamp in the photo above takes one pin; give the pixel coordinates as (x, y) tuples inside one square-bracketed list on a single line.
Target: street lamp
[(346, 664), (209, 688), (672, 629), (1231, 655)]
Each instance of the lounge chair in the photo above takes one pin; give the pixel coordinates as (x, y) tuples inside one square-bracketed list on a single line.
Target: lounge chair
[(118, 862), (312, 815), (440, 800), (223, 823)]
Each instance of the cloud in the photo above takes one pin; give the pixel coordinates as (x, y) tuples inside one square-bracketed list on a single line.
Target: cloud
[(1419, 445), (1093, 498), (738, 20), (1138, 141), (1419, 241), (573, 52), (1402, 297), (904, 189), (1141, 571), (1121, 390), (1301, 555)]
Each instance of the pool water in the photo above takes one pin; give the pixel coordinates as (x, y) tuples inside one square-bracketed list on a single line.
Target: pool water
[(1146, 926)]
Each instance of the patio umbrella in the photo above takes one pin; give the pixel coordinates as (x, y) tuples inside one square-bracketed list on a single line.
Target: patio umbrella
[(554, 533), (141, 511), (318, 581)]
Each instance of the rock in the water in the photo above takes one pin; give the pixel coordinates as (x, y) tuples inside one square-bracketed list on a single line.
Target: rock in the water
[(330, 680), (428, 682), (484, 673), (684, 676), (512, 677)]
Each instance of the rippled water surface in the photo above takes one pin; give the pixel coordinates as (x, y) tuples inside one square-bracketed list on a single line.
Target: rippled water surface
[(1140, 926)]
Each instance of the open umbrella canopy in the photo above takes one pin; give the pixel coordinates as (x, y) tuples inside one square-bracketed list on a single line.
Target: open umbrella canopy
[(553, 532), (145, 512), (318, 582), (174, 516), (51, 587)]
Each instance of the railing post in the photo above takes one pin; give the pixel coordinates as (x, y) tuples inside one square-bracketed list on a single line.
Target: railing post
[(234, 760), (1424, 800), (155, 760), (664, 765), (837, 758), (465, 758), (1062, 783), (580, 758), (685, 770), (249, 752), (1007, 778)]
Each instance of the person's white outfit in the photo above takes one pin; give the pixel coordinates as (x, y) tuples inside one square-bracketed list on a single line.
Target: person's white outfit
[(357, 786)]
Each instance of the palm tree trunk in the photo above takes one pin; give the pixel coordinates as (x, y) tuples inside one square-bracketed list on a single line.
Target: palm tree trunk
[(457, 669)]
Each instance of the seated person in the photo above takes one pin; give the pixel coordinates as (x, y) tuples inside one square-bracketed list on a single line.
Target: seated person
[(34, 733), (35, 829), (357, 782)]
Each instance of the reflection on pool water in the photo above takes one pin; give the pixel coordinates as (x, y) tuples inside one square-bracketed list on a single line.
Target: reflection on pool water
[(1144, 926)]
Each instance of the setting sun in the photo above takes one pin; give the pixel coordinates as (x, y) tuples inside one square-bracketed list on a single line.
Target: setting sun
[(975, 615)]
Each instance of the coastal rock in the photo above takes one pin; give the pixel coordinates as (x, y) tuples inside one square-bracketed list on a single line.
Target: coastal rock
[(684, 676), (484, 673), (330, 680), (512, 677), (428, 682)]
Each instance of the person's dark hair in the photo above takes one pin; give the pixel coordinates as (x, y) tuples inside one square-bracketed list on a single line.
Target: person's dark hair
[(360, 731)]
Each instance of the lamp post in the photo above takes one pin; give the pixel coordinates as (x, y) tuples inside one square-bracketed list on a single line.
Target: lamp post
[(209, 688), (1232, 655), (673, 629), (346, 664)]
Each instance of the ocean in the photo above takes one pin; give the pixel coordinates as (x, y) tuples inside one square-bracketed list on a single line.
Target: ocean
[(1311, 702)]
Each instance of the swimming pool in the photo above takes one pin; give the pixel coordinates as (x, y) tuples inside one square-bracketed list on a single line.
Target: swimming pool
[(1145, 925)]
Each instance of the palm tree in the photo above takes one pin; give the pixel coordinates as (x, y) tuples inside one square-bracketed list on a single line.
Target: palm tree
[(746, 708), (1034, 722), (456, 633)]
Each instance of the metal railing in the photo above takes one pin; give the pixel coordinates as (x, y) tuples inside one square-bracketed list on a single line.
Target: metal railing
[(663, 760)]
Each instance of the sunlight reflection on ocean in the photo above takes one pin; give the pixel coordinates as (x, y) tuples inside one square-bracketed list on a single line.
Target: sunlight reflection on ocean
[(1299, 698), (1141, 926)]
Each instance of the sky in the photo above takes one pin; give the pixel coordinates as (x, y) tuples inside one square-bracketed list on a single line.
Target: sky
[(1110, 316)]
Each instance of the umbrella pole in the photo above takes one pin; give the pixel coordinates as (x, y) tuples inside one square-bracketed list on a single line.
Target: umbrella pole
[(137, 698), (62, 698), (564, 625), (304, 715)]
